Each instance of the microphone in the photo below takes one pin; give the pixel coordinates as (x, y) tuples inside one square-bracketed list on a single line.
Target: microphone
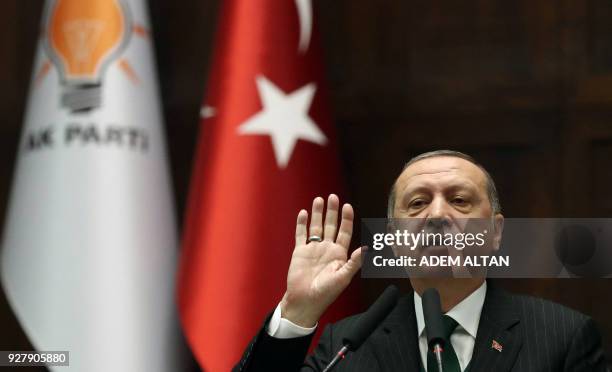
[(366, 324), (432, 312)]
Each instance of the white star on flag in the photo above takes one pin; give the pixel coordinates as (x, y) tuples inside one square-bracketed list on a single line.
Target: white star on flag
[(284, 118)]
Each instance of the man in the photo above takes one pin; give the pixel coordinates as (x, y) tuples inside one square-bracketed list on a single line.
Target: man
[(488, 329)]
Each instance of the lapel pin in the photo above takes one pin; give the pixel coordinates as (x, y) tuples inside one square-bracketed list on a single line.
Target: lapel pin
[(497, 346)]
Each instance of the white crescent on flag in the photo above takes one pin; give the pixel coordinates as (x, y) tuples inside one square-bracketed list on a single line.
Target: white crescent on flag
[(304, 8)]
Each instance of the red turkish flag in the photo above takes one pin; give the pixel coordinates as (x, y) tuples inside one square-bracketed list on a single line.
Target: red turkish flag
[(267, 148)]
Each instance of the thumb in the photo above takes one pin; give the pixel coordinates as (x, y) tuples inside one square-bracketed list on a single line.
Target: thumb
[(354, 263)]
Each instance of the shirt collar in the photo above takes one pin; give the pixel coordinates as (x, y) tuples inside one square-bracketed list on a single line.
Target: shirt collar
[(466, 313)]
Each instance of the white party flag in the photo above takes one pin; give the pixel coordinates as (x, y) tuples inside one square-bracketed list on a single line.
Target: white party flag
[(90, 244)]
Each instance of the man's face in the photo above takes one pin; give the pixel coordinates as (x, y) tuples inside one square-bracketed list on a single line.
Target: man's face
[(442, 187), (448, 195)]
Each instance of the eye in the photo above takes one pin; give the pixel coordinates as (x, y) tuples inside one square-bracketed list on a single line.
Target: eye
[(458, 200), (418, 203)]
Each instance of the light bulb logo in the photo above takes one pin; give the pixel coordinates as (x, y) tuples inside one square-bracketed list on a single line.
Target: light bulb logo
[(82, 39)]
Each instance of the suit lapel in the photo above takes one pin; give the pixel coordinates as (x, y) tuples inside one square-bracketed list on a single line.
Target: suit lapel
[(395, 344), (499, 339)]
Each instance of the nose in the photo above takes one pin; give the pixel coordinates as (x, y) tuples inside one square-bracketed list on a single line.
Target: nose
[(439, 213)]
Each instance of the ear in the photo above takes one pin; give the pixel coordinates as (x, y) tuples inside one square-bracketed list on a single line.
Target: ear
[(391, 225), (498, 225)]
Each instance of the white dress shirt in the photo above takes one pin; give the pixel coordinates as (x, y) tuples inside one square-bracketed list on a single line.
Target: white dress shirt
[(466, 313)]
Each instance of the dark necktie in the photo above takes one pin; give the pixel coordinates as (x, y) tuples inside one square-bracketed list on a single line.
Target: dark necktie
[(450, 363)]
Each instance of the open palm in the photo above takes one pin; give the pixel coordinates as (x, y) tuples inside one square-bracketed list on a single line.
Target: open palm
[(320, 268)]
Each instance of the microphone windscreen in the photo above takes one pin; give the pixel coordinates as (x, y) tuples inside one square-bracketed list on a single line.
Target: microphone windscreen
[(368, 321), (432, 312)]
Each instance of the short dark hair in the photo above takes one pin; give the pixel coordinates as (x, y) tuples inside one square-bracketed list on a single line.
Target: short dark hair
[(491, 189)]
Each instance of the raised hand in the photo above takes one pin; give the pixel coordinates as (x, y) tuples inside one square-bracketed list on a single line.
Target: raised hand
[(320, 268)]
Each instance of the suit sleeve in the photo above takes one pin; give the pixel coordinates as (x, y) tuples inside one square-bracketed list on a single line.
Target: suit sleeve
[(585, 353), (269, 354)]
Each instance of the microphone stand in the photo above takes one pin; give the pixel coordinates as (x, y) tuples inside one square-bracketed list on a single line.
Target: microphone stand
[(339, 356), (437, 351)]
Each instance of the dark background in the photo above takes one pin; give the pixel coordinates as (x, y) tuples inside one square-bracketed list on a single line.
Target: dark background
[(524, 86)]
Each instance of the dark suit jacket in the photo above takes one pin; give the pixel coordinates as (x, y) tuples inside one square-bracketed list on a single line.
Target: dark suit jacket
[(536, 336)]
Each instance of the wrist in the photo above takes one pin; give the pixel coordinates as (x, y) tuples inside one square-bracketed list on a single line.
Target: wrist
[(298, 314)]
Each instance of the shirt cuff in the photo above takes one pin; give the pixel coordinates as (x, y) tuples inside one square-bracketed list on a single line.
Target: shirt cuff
[(279, 327)]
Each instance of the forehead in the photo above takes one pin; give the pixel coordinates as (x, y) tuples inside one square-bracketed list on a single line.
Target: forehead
[(441, 169)]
